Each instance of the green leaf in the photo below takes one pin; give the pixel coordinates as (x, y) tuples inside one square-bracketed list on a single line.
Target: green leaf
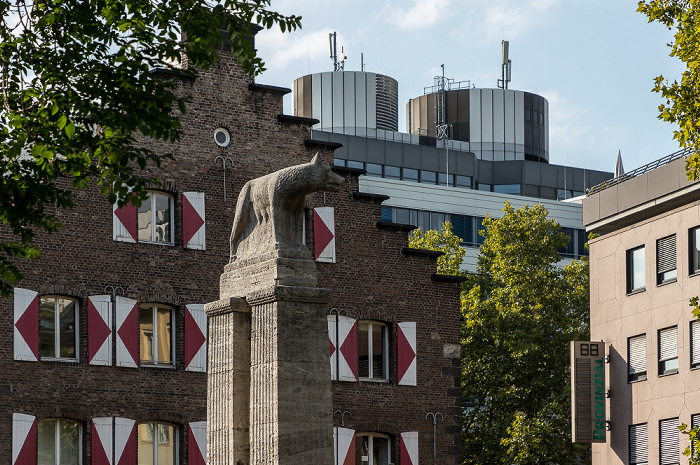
[(70, 130)]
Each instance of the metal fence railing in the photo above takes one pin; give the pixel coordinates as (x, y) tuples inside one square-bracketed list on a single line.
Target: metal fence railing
[(683, 153)]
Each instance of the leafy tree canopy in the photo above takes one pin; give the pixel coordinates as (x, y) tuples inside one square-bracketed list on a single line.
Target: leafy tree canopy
[(521, 312), (681, 106), (444, 241), (75, 97)]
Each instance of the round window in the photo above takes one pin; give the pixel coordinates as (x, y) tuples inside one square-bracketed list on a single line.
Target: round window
[(222, 137)]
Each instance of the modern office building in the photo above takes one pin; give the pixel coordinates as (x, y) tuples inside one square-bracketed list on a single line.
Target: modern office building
[(645, 268), (103, 345), (466, 151)]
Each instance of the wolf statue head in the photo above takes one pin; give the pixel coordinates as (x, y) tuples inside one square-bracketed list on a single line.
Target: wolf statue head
[(270, 209)]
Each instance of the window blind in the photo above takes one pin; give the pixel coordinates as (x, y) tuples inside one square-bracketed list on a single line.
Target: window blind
[(668, 344), (637, 354), (638, 444), (666, 254), (669, 447), (695, 342)]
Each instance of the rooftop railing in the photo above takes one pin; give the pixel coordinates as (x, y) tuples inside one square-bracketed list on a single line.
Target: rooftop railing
[(683, 153)]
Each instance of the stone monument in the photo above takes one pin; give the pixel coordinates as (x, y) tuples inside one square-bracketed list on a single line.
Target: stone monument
[(269, 388)]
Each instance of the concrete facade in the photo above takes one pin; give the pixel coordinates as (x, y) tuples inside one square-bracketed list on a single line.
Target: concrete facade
[(643, 309)]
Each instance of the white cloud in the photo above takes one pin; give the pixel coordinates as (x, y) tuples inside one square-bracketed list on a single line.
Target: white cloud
[(566, 128), (281, 51), (422, 14), (510, 18)]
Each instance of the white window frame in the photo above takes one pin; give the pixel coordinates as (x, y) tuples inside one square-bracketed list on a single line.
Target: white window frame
[(672, 352), (57, 443), (176, 440), (631, 289), (666, 266), (370, 444), (156, 360), (385, 354), (57, 332), (152, 198)]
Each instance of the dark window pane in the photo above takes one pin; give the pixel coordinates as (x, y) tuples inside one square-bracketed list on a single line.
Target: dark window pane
[(507, 188), (363, 350), (69, 445), (377, 351), (410, 174), (356, 164), (164, 316), (392, 172), (464, 181), (146, 333), (480, 227), (695, 250), (66, 310), (484, 187), (403, 215), (339, 161), (462, 226), (145, 218), (46, 441), (436, 220), (47, 327), (163, 226), (374, 170), (428, 177), (387, 213)]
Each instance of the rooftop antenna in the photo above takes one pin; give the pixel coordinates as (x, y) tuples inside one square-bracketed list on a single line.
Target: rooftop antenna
[(362, 61), (332, 42), (505, 66)]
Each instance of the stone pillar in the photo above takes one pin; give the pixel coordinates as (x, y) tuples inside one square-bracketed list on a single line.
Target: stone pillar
[(228, 383), (290, 413)]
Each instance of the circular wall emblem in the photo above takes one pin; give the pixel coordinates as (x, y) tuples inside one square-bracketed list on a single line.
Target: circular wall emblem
[(222, 137)]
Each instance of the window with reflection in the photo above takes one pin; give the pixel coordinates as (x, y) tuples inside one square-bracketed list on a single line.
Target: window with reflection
[(58, 328), (372, 351), (59, 442), (372, 449), (635, 270), (157, 443), (156, 334), (694, 250), (155, 219)]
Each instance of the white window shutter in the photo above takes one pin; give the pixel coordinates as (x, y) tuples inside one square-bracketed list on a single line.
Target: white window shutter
[(347, 348), (124, 441), (26, 325), (197, 443), (408, 454), (668, 343), (124, 223), (638, 443), (324, 234), (23, 439), (406, 353), (102, 429), (195, 338), (669, 448), (332, 342), (193, 221), (99, 311), (344, 446), (637, 354), (127, 332)]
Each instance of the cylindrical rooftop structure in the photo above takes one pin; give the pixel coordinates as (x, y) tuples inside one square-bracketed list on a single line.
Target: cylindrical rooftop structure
[(348, 102), (499, 124)]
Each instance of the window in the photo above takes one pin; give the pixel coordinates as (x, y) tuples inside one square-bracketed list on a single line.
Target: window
[(156, 335), (406, 216), (463, 227), (668, 351), (372, 351), (637, 358), (392, 172), (639, 448), (339, 162), (374, 170), (59, 442), (356, 164), (157, 443), (694, 250), (429, 177), (484, 187), (372, 449), (694, 423), (387, 213), (513, 189), (669, 442), (464, 181), (443, 178), (58, 328), (410, 174), (155, 219), (695, 343), (480, 227), (635, 270), (666, 260)]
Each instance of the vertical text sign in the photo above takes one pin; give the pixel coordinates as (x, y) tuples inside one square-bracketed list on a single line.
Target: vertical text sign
[(587, 391)]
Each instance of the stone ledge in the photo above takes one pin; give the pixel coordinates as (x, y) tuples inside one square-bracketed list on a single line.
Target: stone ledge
[(367, 197), (223, 306), (447, 278), (344, 170), (434, 254), (395, 226), (289, 294), (322, 144), (296, 120), (265, 88)]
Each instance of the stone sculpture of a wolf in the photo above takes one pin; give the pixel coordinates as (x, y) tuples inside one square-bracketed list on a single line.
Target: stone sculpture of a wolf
[(270, 209)]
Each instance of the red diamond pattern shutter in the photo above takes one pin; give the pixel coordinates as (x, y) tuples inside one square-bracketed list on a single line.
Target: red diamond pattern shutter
[(102, 441), (347, 341), (127, 332), (23, 439), (332, 342), (406, 353), (26, 325), (124, 441), (408, 454), (124, 223), (344, 446), (193, 221), (99, 330), (197, 443), (324, 234), (195, 338)]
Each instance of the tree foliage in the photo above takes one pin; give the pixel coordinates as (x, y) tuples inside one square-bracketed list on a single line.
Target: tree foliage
[(521, 312), (76, 97), (444, 241), (681, 106)]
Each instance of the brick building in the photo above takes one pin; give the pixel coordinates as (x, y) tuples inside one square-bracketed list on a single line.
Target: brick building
[(103, 349), (644, 271)]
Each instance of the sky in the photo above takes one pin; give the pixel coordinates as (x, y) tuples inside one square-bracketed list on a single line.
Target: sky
[(594, 61)]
